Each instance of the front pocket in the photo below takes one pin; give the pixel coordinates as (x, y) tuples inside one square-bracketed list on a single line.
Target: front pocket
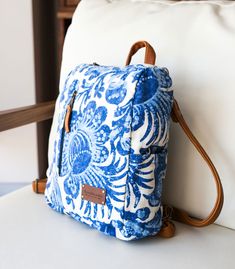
[(66, 128), (86, 157)]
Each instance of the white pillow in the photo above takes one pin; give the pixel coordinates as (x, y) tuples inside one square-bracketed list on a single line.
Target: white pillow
[(196, 42)]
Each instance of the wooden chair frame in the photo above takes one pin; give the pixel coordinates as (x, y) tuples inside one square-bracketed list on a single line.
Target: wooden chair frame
[(17, 117)]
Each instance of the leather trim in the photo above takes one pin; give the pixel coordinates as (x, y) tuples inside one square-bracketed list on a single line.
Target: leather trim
[(39, 185), (93, 194), (67, 119)]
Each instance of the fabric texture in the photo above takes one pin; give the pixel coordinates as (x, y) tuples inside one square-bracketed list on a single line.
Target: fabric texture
[(196, 41), (118, 114)]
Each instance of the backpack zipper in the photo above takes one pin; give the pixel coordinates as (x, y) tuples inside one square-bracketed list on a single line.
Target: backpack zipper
[(69, 112), (67, 120)]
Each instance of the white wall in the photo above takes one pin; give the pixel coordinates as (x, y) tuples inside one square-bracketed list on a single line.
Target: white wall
[(18, 147)]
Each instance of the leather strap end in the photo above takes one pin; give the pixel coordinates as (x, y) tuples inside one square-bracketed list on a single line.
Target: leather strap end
[(39, 185), (167, 230)]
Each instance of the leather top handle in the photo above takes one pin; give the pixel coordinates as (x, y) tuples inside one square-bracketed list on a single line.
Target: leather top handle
[(150, 55)]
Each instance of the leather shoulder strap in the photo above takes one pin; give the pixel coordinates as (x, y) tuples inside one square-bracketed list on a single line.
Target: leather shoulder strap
[(179, 214), (176, 115)]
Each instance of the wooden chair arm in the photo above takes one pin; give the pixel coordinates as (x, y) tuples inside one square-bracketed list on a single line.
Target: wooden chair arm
[(17, 117)]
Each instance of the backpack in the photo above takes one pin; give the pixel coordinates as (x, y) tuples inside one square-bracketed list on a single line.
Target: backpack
[(109, 149)]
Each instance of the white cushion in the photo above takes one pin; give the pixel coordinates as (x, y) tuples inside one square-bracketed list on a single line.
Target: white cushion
[(195, 41), (34, 236)]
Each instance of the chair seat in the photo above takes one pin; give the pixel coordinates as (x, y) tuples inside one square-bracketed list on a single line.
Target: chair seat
[(34, 236)]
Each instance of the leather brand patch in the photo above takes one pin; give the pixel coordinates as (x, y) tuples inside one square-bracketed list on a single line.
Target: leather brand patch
[(93, 194)]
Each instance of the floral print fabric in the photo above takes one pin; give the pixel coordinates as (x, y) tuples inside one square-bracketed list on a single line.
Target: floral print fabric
[(118, 115)]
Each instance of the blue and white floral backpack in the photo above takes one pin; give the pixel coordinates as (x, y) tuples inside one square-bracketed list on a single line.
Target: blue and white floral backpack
[(110, 149)]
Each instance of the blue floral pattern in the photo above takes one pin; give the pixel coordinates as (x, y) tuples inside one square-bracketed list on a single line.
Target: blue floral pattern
[(118, 115)]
